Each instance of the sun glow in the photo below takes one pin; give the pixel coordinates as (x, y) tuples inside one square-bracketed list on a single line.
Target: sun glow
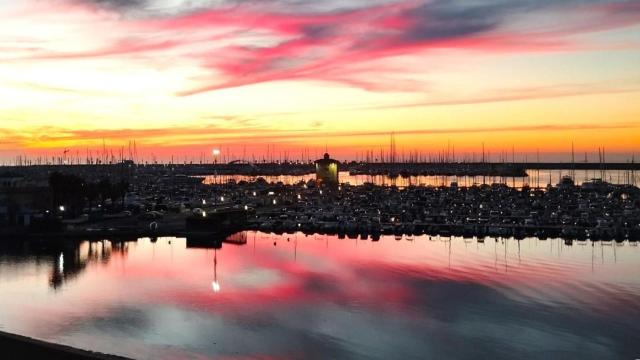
[(260, 84)]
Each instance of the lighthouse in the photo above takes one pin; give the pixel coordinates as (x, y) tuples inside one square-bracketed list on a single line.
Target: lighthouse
[(327, 170)]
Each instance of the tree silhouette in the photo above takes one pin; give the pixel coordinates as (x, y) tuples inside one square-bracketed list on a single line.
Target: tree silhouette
[(74, 192)]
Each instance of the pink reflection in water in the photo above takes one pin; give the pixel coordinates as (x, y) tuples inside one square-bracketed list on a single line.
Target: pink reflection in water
[(101, 291)]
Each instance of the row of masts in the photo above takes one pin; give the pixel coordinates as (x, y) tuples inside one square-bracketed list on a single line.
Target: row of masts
[(113, 155), (95, 156), (119, 155)]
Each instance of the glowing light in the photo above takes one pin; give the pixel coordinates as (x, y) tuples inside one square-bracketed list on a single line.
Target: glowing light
[(204, 214), (61, 263), (216, 152), (204, 202), (61, 208), (299, 196), (215, 286), (246, 208), (221, 198), (254, 193), (275, 202)]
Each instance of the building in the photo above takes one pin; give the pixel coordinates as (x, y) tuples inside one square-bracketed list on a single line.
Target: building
[(21, 199), (327, 171)]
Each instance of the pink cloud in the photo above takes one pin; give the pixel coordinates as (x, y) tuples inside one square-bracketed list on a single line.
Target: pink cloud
[(244, 45)]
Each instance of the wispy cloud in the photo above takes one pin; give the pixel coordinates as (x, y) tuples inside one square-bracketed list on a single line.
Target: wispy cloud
[(176, 65), (239, 43)]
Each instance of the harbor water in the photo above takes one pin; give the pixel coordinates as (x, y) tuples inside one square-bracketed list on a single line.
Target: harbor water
[(302, 296), (536, 178)]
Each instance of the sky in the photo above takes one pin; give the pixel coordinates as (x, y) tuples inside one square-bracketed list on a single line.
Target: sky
[(294, 77)]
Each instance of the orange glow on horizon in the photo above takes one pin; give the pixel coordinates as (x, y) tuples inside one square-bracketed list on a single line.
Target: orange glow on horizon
[(288, 81)]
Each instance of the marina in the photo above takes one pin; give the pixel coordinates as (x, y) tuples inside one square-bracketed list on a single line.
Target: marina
[(135, 202), (294, 179)]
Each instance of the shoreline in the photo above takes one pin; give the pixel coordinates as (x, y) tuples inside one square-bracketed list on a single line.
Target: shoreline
[(24, 347)]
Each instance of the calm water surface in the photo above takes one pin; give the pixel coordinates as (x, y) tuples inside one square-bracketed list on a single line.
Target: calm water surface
[(536, 178), (320, 297)]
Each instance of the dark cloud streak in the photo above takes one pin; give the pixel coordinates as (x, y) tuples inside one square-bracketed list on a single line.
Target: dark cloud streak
[(335, 42)]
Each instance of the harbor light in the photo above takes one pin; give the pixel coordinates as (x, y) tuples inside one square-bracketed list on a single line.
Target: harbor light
[(215, 286), (61, 208), (216, 152)]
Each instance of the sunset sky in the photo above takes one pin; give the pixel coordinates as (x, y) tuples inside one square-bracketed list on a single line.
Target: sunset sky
[(181, 77)]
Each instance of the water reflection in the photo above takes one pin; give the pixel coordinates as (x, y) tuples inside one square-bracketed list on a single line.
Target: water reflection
[(316, 296), (215, 285), (536, 178), (67, 259)]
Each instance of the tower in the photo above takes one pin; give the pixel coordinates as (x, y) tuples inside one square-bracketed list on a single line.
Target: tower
[(327, 170)]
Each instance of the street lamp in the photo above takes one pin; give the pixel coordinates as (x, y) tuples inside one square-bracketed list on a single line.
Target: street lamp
[(216, 154)]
